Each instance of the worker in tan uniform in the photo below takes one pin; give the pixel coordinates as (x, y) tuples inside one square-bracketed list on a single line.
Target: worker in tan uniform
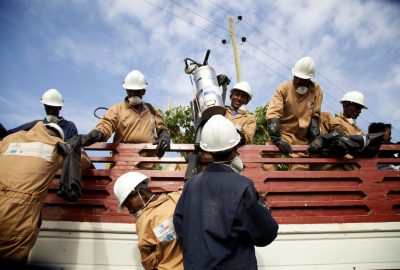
[(132, 121), (292, 117), (343, 124), (158, 244), (244, 121), (29, 161)]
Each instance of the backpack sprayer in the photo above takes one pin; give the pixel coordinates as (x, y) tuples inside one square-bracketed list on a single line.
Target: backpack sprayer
[(209, 100)]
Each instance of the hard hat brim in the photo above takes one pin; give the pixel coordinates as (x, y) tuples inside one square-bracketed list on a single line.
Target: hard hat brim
[(301, 76)]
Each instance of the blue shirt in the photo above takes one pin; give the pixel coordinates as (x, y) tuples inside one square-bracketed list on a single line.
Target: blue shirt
[(68, 127), (219, 220)]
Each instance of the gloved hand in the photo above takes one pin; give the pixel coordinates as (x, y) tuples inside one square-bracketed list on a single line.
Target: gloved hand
[(329, 140), (375, 141), (164, 142), (285, 147), (313, 130), (274, 131), (223, 79), (92, 137), (316, 145)]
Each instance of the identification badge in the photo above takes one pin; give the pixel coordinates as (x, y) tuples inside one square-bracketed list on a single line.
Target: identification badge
[(165, 231), (31, 149)]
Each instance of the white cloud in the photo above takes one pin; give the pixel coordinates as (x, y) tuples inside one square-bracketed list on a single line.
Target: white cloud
[(353, 43)]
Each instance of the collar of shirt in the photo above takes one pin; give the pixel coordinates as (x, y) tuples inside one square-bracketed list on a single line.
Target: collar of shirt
[(233, 111)]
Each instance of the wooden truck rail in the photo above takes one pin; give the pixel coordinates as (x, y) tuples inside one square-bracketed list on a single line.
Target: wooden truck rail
[(295, 197)]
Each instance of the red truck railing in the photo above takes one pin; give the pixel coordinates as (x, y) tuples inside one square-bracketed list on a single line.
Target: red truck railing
[(295, 197)]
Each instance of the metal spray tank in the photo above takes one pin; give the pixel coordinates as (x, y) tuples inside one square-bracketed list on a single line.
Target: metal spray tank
[(208, 93)]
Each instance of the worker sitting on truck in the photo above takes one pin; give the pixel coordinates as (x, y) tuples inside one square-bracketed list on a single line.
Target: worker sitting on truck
[(341, 134), (345, 123), (158, 244), (244, 121)]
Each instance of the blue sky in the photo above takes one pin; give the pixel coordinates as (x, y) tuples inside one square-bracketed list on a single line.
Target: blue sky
[(84, 48)]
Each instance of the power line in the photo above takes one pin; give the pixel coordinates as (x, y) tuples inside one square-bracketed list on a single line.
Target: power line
[(291, 54), (201, 16), (179, 17), (253, 45)]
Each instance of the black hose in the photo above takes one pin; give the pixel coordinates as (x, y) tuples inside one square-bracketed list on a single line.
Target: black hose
[(98, 108)]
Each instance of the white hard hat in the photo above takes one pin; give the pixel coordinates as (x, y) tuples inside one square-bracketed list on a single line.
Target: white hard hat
[(56, 128), (355, 97), (52, 98), (304, 68), (218, 134), (243, 86), (127, 183), (135, 80)]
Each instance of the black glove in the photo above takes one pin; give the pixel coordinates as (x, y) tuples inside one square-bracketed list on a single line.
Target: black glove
[(316, 145), (94, 136), (285, 147), (365, 146), (164, 142), (313, 130), (274, 131), (69, 186), (223, 79), (324, 141)]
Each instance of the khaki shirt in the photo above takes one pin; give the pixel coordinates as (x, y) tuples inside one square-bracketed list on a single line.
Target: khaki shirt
[(28, 162), (158, 243), (130, 125), (329, 123), (295, 111), (244, 121)]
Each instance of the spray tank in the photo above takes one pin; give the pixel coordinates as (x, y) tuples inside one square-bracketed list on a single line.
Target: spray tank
[(209, 97)]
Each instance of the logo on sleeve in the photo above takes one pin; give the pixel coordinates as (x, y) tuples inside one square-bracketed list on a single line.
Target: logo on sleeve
[(165, 232)]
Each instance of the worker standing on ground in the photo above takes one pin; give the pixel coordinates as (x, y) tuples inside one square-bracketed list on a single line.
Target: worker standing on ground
[(29, 161), (292, 117), (132, 121), (244, 121), (219, 217), (158, 244), (53, 102)]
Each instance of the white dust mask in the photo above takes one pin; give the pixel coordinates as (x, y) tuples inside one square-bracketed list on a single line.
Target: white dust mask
[(351, 121), (135, 100), (237, 164), (302, 90), (52, 118), (141, 210)]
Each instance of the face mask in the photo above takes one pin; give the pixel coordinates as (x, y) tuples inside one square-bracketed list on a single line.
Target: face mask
[(237, 164), (141, 210), (133, 101), (302, 90), (351, 120), (51, 118)]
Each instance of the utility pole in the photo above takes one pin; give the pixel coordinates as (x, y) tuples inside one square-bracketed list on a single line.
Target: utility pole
[(234, 46)]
